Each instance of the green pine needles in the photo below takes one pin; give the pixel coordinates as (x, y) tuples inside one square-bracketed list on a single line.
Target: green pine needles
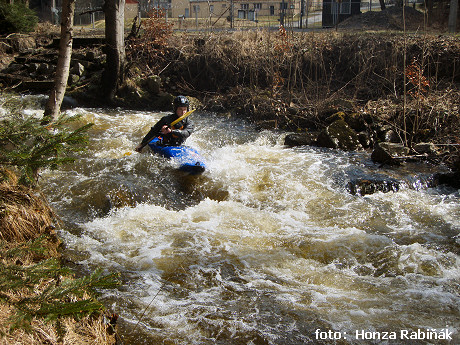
[(16, 17), (28, 145), (47, 290), (34, 285)]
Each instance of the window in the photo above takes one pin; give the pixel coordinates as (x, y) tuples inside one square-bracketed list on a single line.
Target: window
[(257, 6), (245, 6)]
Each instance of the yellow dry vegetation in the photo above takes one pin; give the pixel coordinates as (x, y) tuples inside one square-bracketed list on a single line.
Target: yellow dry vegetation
[(26, 216)]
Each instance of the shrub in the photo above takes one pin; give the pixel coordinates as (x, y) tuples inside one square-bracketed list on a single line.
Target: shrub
[(28, 146), (16, 17)]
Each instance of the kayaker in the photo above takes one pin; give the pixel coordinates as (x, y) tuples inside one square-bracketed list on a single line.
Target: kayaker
[(171, 136)]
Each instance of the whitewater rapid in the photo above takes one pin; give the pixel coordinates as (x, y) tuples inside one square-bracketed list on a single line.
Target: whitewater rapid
[(266, 247)]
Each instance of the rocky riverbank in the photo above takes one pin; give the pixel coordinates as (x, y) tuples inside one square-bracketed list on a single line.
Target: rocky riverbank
[(392, 94)]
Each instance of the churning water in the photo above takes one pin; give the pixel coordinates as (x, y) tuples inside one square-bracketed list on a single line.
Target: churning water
[(266, 247)]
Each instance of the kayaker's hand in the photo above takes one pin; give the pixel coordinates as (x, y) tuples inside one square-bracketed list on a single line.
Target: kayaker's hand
[(165, 130), (139, 148)]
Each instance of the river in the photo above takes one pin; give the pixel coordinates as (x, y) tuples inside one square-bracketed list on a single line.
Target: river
[(267, 246)]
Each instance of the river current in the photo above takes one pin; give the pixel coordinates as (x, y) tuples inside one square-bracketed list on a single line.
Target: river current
[(266, 247)]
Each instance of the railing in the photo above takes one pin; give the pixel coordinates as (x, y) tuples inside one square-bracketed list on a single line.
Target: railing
[(315, 16)]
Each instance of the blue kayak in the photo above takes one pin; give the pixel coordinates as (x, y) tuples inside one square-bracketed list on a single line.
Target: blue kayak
[(189, 160)]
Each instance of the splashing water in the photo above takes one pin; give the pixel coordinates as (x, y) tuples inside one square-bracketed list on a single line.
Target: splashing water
[(266, 247)]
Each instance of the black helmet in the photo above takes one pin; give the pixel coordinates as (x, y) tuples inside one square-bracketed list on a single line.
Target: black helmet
[(181, 101)]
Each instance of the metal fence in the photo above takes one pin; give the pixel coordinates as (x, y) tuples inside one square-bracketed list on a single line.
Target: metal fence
[(326, 13), (317, 15)]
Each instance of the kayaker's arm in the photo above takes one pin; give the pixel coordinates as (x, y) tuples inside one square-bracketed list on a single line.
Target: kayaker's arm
[(155, 131), (178, 133), (184, 129)]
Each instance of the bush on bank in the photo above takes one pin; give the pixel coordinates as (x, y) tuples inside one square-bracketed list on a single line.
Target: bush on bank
[(16, 17), (40, 300)]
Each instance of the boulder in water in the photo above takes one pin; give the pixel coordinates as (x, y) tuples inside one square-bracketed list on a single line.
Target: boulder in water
[(339, 135)]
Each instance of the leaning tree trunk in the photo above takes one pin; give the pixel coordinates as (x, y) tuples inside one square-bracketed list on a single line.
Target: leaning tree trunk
[(382, 5), (115, 47), (53, 105)]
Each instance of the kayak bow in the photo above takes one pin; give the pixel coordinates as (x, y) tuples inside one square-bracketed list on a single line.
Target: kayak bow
[(189, 160)]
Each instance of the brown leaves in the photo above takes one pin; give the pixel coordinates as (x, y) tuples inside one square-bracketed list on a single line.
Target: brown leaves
[(420, 84), (154, 41)]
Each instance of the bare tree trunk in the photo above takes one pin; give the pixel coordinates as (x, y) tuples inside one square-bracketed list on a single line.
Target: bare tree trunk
[(114, 70), (53, 105), (453, 15), (382, 5), (429, 7)]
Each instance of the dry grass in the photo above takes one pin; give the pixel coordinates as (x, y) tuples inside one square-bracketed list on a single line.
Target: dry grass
[(24, 213), (26, 216), (289, 76), (89, 330)]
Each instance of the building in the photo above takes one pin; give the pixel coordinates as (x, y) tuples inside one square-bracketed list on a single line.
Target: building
[(241, 9), (86, 11), (335, 11), (131, 9)]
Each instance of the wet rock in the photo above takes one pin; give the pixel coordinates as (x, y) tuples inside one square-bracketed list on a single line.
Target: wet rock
[(162, 101), (364, 139), (380, 155), (395, 149), (153, 84), (300, 139), (339, 135), (391, 136), (216, 105), (73, 79), (365, 187), (387, 153), (13, 68), (386, 133), (45, 69), (356, 121), (38, 86), (77, 69), (426, 148), (447, 179)]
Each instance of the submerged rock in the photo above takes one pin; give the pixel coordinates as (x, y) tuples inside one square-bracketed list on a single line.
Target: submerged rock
[(365, 187), (447, 179), (300, 139)]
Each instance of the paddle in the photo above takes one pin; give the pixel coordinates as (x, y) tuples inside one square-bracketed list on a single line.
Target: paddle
[(171, 124), (182, 117)]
